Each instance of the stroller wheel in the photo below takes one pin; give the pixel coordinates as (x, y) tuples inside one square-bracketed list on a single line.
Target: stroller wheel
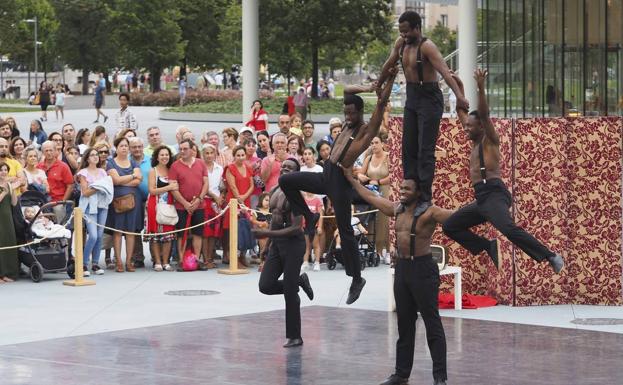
[(36, 272), (377, 259)]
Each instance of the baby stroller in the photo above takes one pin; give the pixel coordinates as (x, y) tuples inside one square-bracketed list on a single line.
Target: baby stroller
[(365, 246), (50, 255)]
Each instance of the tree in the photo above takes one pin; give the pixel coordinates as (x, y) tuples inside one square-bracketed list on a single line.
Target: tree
[(280, 49), (23, 50), (86, 38), (444, 38), (376, 55), (151, 37), (341, 23), (8, 31), (200, 23), (230, 38)]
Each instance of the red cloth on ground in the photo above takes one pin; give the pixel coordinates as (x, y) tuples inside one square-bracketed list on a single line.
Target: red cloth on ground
[(446, 301)]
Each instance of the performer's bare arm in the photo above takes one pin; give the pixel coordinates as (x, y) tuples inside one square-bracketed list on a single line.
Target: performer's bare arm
[(294, 229), (386, 206), (357, 89), (376, 120), (440, 215), (483, 107), (430, 50), (390, 63), (460, 113)]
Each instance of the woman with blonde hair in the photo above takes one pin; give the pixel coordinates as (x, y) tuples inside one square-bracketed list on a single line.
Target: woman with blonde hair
[(99, 136)]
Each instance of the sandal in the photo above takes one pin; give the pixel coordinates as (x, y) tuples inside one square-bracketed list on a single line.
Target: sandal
[(158, 267), (168, 267), (130, 268)]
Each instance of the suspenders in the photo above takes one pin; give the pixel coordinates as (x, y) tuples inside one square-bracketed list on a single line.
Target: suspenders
[(481, 157), (412, 235), (419, 64), (348, 144)]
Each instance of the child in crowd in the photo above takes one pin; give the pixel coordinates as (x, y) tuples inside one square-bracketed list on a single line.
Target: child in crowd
[(43, 226), (315, 206), (261, 220)]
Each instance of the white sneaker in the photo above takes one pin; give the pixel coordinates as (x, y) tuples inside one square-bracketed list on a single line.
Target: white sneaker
[(305, 266), (316, 266), (86, 273)]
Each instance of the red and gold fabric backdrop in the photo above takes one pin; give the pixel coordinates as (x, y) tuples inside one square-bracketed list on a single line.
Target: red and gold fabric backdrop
[(565, 177)]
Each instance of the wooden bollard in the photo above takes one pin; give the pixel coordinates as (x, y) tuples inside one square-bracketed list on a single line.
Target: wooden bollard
[(233, 241), (78, 257)]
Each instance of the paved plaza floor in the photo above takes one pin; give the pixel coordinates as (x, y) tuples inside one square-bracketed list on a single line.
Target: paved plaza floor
[(128, 329)]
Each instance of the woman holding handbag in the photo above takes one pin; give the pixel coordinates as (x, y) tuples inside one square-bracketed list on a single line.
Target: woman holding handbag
[(160, 208), (125, 212)]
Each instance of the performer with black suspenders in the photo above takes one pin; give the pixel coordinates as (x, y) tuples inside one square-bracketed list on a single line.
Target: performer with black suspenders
[(355, 139), (493, 199), (421, 62), (416, 277)]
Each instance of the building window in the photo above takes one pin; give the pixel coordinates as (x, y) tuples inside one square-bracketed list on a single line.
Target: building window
[(444, 20)]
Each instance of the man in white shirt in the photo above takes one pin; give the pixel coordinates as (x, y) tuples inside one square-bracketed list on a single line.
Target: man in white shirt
[(124, 118)]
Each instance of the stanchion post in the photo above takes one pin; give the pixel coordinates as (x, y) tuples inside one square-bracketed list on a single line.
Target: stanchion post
[(233, 241), (78, 257)]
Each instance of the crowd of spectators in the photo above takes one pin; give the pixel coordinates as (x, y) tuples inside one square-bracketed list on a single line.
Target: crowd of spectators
[(124, 183)]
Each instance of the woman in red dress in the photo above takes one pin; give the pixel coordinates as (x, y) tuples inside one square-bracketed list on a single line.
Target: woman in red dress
[(159, 188), (259, 117), (239, 181)]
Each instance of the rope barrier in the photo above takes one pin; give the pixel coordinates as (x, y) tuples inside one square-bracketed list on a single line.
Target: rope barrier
[(37, 240), (322, 216), (163, 233)]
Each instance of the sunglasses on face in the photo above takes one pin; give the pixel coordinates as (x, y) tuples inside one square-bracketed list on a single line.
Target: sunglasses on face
[(103, 152)]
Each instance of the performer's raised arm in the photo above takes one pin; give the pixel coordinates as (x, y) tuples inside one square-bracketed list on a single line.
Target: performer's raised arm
[(386, 206), (460, 113), (376, 120), (390, 63), (483, 107)]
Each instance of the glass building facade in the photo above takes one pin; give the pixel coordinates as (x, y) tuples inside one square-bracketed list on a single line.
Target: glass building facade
[(552, 57)]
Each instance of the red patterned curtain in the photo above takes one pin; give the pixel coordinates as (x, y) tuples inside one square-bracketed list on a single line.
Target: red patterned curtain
[(565, 178)]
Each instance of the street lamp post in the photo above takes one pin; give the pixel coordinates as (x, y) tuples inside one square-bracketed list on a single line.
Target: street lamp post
[(34, 20)]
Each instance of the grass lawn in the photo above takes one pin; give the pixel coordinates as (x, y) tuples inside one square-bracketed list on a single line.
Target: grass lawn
[(14, 101), (272, 106), (16, 109)]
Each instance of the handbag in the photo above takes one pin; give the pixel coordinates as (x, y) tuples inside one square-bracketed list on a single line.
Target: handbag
[(37, 99), (166, 214), (123, 203)]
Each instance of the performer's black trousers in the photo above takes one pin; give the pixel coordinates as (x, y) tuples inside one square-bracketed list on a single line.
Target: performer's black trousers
[(416, 289), (332, 183), (422, 114), (285, 256), (492, 205)]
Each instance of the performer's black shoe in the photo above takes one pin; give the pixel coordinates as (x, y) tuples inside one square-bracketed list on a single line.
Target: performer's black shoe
[(439, 382), (292, 342), (421, 208), (556, 262), (493, 253), (305, 285), (395, 379), (310, 225), (355, 290)]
